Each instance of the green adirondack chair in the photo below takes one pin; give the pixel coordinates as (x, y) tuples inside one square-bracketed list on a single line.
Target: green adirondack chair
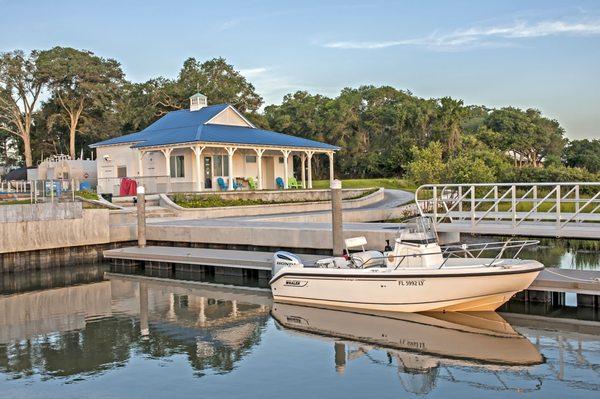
[(293, 183), (251, 183)]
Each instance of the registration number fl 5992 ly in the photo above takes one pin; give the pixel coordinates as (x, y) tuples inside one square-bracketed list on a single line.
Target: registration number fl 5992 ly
[(411, 283)]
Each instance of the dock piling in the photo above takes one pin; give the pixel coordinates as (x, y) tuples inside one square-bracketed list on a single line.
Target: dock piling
[(141, 216), (336, 217)]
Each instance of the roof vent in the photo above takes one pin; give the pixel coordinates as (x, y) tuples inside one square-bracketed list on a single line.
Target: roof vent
[(198, 101)]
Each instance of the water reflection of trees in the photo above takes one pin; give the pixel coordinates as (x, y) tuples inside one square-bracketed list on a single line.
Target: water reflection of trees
[(107, 344), (100, 346), (213, 334)]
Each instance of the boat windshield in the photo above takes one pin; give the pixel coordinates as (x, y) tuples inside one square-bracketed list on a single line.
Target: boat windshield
[(418, 230)]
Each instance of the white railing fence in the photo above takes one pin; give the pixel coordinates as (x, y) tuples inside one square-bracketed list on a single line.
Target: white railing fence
[(562, 204), (40, 190)]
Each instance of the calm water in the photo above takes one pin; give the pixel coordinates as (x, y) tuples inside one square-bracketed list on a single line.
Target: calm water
[(81, 335)]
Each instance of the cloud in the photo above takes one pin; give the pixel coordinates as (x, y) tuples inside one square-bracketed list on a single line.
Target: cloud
[(477, 37), (232, 23), (253, 72)]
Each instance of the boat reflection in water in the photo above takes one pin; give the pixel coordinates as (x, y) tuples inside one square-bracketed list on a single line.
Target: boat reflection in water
[(419, 343)]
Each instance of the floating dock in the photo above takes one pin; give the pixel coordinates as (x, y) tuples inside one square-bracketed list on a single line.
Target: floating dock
[(549, 286)]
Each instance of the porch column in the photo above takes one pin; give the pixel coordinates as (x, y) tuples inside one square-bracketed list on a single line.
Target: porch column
[(309, 155), (167, 153), (286, 154), (140, 155), (198, 165), (330, 155), (259, 154), (230, 152), (303, 167)]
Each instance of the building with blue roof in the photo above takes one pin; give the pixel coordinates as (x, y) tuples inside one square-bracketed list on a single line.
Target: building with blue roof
[(206, 147)]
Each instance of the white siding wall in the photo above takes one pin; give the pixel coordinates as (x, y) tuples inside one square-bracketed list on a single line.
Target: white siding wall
[(154, 165), (229, 117)]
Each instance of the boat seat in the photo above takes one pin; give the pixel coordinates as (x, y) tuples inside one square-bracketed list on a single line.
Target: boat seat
[(367, 259), (337, 262)]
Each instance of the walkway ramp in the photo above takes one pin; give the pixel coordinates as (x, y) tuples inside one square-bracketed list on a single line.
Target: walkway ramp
[(570, 210)]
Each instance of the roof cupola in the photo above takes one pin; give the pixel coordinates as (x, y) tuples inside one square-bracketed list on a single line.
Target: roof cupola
[(198, 101)]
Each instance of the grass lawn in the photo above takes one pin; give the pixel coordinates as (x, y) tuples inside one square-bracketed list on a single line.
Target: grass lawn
[(15, 202), (547, 206), (87, 194), (391, 183)]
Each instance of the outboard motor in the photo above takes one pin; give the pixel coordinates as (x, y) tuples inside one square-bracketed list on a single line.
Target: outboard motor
[(388, 247), (283, 259)]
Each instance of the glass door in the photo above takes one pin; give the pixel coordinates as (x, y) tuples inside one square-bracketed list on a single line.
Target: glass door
[(208, 173)]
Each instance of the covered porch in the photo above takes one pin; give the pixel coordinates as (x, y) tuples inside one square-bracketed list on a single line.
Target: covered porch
[(210, 167)]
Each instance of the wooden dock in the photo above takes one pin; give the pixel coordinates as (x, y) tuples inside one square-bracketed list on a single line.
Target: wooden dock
[(584, 283), (254, 260)]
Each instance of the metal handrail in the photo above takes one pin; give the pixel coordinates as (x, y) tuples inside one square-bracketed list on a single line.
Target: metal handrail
[(544, 201)]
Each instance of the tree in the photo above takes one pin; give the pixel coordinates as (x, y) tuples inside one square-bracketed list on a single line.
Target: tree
[(528, 135), (220, 82), (302, 114), (583, 154), (8, 149), (140, 104), (451, 113), (21, 84), (82, 83)]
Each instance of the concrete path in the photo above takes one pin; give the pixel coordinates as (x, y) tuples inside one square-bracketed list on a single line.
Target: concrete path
[(309, 230), (393, 199)]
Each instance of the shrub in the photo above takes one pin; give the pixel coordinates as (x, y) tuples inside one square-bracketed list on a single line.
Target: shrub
[(465, 169), (427, 166)]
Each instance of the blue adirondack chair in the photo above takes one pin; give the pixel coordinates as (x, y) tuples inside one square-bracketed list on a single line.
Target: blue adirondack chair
[(222, 184), (280, 183)]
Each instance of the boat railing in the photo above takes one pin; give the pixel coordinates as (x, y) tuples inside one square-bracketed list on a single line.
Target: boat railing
[(473, 251)]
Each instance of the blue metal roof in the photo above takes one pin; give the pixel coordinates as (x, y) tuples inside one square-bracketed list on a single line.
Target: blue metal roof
[(181, 119), (186, 126)]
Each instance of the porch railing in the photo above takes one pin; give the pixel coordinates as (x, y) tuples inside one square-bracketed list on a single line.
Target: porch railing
[(152, 184)]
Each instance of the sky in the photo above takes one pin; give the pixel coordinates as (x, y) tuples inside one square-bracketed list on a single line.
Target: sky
[(529, 54)]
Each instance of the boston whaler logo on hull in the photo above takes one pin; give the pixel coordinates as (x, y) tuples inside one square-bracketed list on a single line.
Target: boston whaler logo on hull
[(295, 283)]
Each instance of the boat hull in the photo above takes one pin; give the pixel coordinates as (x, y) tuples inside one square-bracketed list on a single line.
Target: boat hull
[(435, 290)]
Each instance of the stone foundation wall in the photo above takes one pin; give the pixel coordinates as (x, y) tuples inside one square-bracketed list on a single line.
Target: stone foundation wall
[(63, 229), (40, 212), (43, 259)]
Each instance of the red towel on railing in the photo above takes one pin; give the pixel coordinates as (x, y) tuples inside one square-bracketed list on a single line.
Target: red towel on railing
[(132, 187), (124, 189)]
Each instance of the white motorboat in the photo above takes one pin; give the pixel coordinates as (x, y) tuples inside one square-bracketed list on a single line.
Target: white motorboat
[(417, 275)]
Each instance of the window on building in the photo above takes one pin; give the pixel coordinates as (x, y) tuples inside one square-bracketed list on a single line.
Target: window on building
[(250, 158), (121, 171), (177, 166), (221, 165)]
